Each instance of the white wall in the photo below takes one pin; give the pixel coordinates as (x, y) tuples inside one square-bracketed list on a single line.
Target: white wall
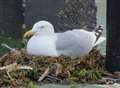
[(101, 19)]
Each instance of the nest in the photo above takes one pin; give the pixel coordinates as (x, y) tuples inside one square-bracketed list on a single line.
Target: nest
[(18, 69)]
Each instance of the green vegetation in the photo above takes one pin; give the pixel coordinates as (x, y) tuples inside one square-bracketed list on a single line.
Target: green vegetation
[(90, 75), (31, 85), (15, 43)]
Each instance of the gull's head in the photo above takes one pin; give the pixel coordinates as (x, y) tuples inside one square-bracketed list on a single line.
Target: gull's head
[(41, 27)]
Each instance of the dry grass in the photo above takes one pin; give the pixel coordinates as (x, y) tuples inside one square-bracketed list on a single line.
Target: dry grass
[(62, 70)]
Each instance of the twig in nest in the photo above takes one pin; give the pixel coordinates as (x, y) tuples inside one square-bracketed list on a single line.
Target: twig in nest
[(14, 67), (8, 47), (58, 69), (1, 58), (44, 74), (9, 75), (16, 52), (10, 67), (24, 67)]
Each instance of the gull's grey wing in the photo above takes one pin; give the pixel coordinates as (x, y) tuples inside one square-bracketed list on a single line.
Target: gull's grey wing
[(73, 42)]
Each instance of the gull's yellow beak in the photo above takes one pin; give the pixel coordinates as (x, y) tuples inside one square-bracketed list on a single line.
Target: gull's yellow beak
[(28, 34)]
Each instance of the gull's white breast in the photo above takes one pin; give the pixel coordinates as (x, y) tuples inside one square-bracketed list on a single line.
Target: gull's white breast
[(42, 45)]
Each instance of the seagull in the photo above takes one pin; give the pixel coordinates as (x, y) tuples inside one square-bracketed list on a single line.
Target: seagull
[(73, 43)]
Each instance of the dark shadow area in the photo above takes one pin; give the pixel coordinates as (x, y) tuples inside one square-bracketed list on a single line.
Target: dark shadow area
[(113, 36)]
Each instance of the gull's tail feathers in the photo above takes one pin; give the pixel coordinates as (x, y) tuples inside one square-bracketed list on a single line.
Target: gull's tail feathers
[(98, 32)]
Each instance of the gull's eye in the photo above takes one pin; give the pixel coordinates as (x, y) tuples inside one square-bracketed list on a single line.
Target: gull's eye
[(41, 26)]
